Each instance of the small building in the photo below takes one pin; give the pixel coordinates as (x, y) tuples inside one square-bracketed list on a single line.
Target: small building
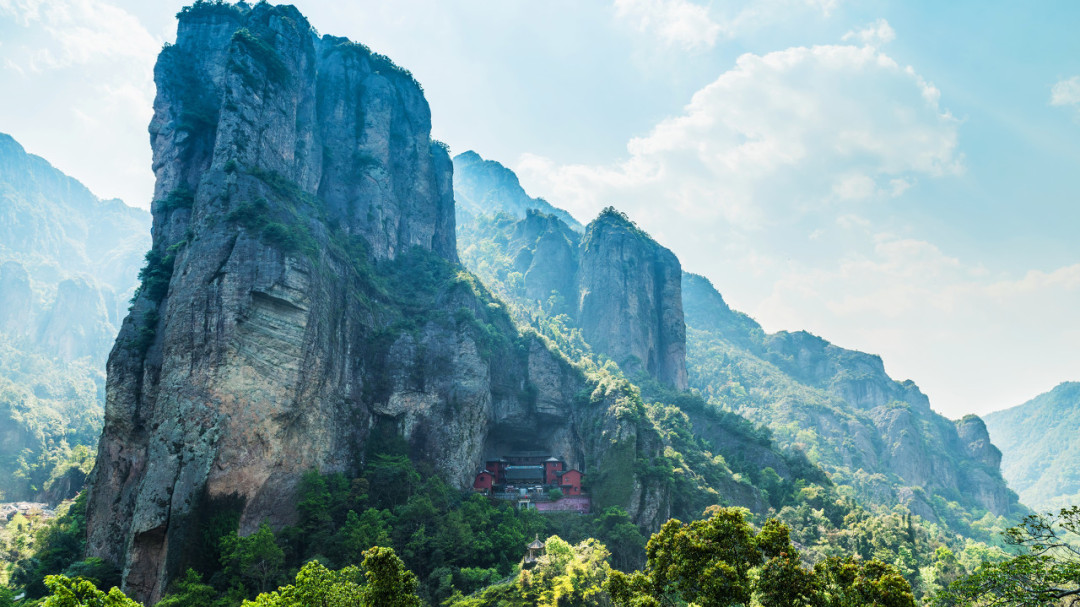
[(528, 477), (552, 467), (536, 550), (485, 480), (570, 482)]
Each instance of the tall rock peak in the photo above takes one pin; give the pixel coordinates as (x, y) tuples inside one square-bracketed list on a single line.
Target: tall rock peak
[(253, 95), (630, 299), (487, 187), (302, 289)]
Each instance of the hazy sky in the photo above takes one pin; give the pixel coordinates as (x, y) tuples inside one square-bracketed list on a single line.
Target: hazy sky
[(899, 177)]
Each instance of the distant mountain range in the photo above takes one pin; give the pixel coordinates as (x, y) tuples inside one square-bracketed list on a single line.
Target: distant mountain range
[(68, 265), (1040, 445), (870, 433)]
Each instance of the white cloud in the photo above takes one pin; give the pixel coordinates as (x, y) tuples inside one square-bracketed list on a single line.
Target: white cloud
[(676, 22), (968, 336), (78, 32), (84, 72), (1066, 93), (694, 26), (876, 34), (777, 135)]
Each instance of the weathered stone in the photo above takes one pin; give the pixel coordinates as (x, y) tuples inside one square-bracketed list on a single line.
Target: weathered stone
[(630, 299), (305, 240)]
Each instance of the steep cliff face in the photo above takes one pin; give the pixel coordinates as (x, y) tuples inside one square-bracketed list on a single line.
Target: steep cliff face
[(303, 289), (617, 285), (842, 407), (16, 301), (630, 299), (486, 187)]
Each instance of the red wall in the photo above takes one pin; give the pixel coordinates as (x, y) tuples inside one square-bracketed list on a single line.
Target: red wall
[(571, 482), (483, 481)]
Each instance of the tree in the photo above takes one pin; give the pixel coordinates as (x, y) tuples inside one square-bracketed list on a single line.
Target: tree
[(706, 562), (851, 582), (255, 559), (389, 584), (720, 561), (189, 591), (1045, 572), (67, 592), (316, 586)]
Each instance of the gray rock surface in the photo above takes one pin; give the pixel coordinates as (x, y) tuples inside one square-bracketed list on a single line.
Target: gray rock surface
[(486, 187), (630, 299), (78, 324), (17, 302), (841, 405), (304, 290)]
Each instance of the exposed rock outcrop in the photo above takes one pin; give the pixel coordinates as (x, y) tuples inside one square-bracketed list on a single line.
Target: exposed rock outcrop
[(78, 324), (620, 287), (17, 305), (302, 290), (487, 187), (841, 405), (630, 299)]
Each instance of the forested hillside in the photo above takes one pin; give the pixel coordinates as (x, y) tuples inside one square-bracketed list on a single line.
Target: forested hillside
[(68, 265), (1040, 447)]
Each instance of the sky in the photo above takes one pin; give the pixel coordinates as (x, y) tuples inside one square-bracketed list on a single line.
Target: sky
[(900, 177)]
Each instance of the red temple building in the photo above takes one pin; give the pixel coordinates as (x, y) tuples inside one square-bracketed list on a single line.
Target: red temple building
[(529, 477)]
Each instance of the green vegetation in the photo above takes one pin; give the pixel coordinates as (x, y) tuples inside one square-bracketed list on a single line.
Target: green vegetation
[(51, 416), (722, 561), (1040, 449), (154, 277), (209, 7), (1043, 570), (276, 70), (180, 198), (67, 592)]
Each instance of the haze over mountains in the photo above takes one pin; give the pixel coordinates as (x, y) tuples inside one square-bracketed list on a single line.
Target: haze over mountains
[(68, 265), (1041, 447), (877, 435)]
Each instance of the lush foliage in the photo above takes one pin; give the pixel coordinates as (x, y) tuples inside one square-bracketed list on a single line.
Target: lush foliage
[(722, 560), (1040, 449), (565, 575), (1044, 571), (50, 415), (67, 592)]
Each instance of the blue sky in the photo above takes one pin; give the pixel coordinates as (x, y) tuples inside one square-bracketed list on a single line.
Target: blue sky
[(898, 177)]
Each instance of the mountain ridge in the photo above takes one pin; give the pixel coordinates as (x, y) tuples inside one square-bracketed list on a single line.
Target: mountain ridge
[(1045, 472)]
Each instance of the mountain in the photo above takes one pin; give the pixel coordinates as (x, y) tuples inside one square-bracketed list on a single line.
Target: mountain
[(870, 432), (620, 287), (68, 265), (1039, 447), (485, 186), (302, 300), (877, 437)]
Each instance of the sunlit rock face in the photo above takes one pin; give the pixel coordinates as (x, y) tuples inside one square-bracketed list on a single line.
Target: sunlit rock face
[(302, 292)]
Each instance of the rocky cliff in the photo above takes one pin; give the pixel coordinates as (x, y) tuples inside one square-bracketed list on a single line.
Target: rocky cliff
[(620, 287), (486, 187), (303, 289), (630, 299), (866, 429)]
